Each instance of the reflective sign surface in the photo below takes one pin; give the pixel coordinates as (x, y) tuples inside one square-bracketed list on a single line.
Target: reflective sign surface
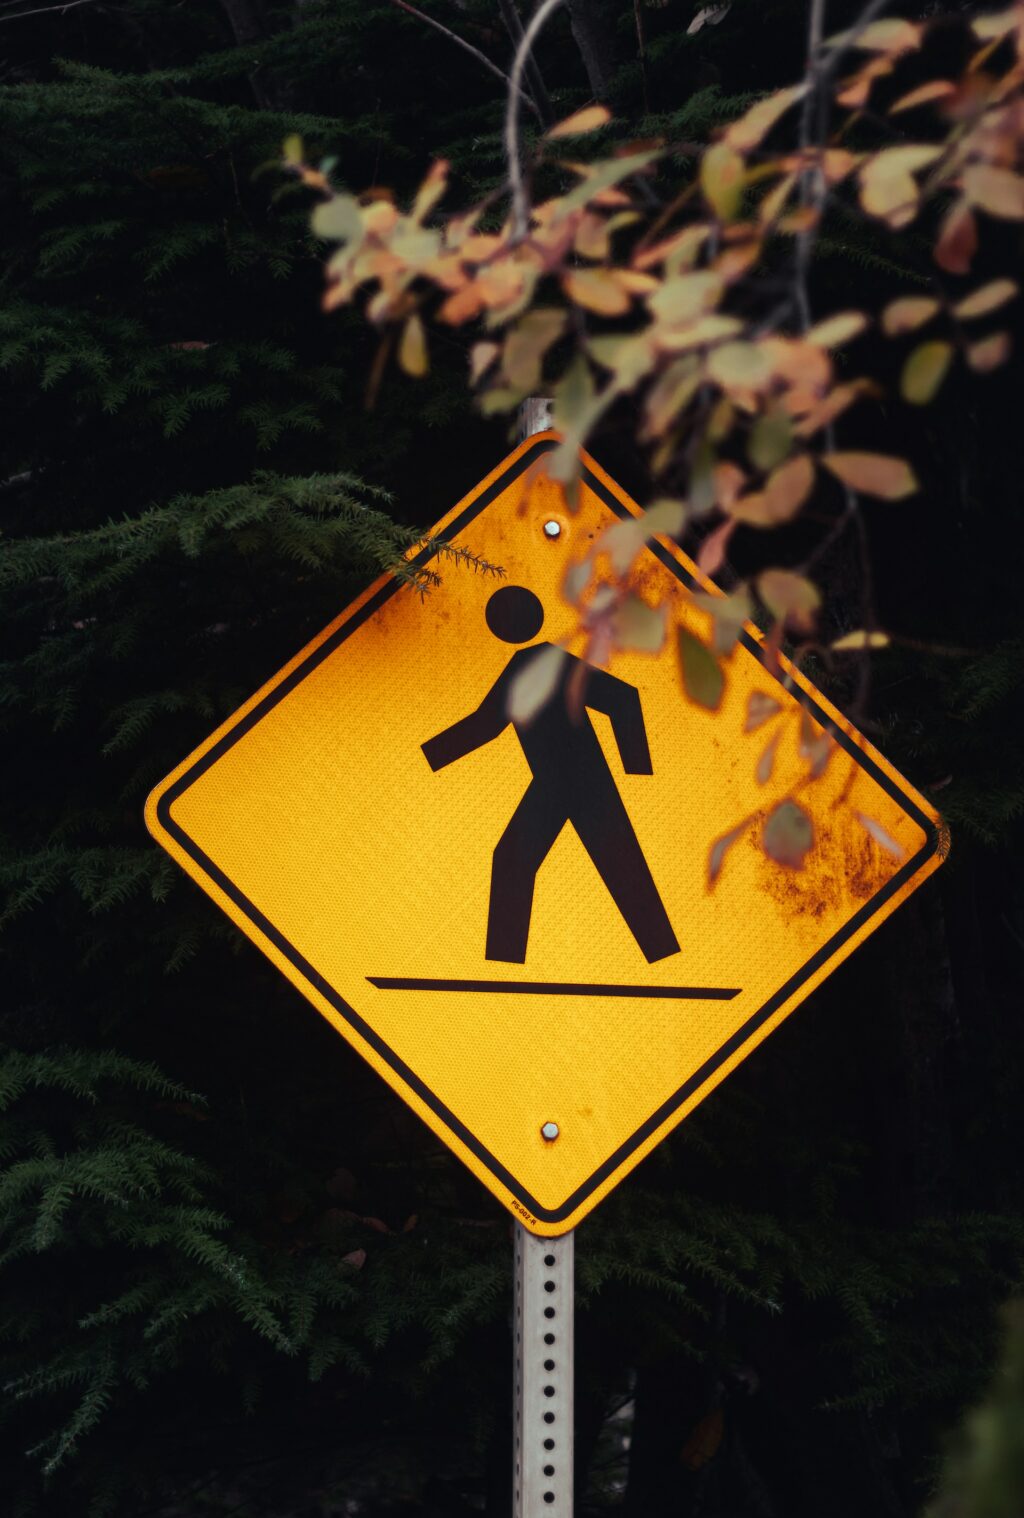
[(512, 921)]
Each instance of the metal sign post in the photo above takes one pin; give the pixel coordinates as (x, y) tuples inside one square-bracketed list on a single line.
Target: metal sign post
[(543, 1388), (543, 1312)]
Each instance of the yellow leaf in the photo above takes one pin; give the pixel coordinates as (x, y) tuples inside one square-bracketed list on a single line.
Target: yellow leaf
[(935, 89), (772, 204), (293, 151), (755, 124), (836, 330), (728, 480), (1000, 192), (535, 684), (998, 24), (601, 176), (788, 835), (908, 313), (788, 487), (639, 626), (671, 391), (481, 357), (526, 345), (760, 709), (665, 516), (989, 353), (597, 290), (877, 474), (739, 364), (629, 358), (338, 219), (851, 642), (855, 91), (591, 239), (634, 282), (710, 329), (789, 597), (924, 371), (719, 849), (587, 120), (831, 406), (721, 421), (498, 399), (622, 542), (881, 837), (958, 239), (722, 173), (728, 614), (837, 163), (703, 677), (888, 189), (892, 36), (412, 350), (988, 298), (687, 295), (771, 438), (711, 555), (430, 191), (678, 252), (734, 262)]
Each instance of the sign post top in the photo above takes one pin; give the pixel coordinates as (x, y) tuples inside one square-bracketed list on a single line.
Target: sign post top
[(512, 920)]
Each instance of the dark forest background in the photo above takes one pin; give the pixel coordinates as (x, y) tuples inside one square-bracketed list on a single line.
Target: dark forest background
[(238, 1277)]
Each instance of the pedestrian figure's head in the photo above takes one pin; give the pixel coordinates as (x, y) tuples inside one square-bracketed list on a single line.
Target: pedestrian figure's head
[(514, 614)]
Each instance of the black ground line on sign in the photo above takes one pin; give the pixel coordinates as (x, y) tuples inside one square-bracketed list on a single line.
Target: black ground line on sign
[(555, 988)]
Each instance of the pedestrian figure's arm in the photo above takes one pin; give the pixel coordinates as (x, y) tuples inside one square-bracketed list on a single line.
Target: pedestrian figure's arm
[(621, 703), (472, 732)]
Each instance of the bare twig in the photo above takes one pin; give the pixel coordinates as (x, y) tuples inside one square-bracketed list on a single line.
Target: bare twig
[(46, 10), (538, 89), (814, 193), (813, 189), (812, 180), (515, 167), (641, 51), (467, 47)]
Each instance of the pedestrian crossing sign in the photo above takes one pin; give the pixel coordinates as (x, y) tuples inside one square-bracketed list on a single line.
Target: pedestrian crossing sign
[(510, 916)]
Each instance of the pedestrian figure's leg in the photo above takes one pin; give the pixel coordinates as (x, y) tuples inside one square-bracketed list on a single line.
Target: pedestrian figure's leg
[(520, 852), (604, 828)]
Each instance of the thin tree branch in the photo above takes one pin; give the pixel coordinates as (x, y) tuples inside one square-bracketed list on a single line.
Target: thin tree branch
[(46, 10), (467, 47), (515, 167), (814, 192), (538, 88), (812, 182), (641, 52)]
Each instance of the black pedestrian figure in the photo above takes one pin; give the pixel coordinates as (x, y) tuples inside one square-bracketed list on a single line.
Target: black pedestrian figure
[(571, 783)]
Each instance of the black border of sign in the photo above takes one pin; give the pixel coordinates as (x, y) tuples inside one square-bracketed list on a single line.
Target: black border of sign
[(409, 1077)]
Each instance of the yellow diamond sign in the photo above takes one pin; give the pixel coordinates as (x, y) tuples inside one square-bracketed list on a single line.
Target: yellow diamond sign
[(511, 916)]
